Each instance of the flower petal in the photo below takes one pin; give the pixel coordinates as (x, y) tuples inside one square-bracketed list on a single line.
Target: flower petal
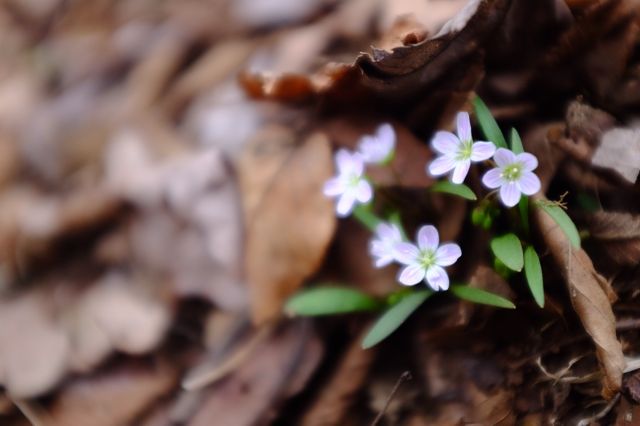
[(529, 183), (463, 126), (442, 165), (383, 261), (445, 143), (437, 278), (504, 157), (510, 194), (411, 275), (406, 253), (481, 151), (529, 161), (344, 161), (428, 238), (363, 191), (345, 204), (493, 178), (460, 172), (386, 135), (388, 231), (333, 187), (448, 254)]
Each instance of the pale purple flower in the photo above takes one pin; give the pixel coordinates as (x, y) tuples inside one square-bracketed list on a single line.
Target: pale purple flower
[(383, 246), (426, 261), (457, 152), (349, 186), (378, 148), (514, 176)]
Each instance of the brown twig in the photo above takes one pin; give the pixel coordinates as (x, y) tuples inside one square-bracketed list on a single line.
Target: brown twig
[(403, 377)]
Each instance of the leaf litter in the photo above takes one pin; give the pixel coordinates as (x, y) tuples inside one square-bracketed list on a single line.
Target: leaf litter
[(171, 185)]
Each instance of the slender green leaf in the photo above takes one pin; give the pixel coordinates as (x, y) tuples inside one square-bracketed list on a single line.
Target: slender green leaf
[(533, 272), (460, 190), (564, 222), (366, 217), (516, 142), (483, 297), (523, 206), (329, 300), (394, 317), (488, 123), (508, 249)]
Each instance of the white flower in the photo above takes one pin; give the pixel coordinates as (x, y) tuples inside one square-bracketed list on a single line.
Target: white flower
[(383, 246), (349, 186), (426, 261), (458, 151), (378, 148), (513, 176)]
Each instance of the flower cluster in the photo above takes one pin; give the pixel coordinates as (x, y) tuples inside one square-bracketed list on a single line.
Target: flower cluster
[(427, 259), (424, 261), (351, 186), (513, 174)]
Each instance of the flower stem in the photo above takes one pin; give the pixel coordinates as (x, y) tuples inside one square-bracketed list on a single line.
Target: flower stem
[(366, 217)]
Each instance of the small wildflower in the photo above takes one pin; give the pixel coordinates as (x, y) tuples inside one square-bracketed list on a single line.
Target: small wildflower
[(378, 148), (349, 186), (458, 151), (514, 176), (426, 260), (382, 248)]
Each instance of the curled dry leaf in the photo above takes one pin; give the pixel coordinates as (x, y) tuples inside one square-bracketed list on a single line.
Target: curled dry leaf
[(619, 150), (289, 221), (616, 236), (591, 296)]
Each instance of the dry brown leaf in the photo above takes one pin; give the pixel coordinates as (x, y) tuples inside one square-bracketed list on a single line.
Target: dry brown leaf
[(289, 221), (114, 397), (276, 370), (591, 297), (616, 235), (619, 150)]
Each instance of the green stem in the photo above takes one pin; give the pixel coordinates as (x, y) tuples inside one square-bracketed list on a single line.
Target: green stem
[(366, 217)]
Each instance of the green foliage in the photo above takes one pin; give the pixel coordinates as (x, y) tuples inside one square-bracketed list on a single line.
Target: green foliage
[(460, 190), (394, 317), (523, 206), (365, 216), (330, 300), (508, 249), (533, 273), (483, 297), (516, 142), (564, 222), (488, 123)]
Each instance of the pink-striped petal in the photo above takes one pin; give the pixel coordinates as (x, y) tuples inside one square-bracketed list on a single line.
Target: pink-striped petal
[(529, 161), (493, 178), (529, 183), (437, 278), (448, 254), (442, 165), (333, 187), (460, 171), (503, 157), (345, 204), (411, 275), (463, 125), (445, 143), (428, 238), (406, 253), (481, 151), (510, 194), (363, 191)]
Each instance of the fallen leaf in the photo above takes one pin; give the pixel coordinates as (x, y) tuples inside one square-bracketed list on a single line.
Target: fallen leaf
[(591, 296), (619, 150), (616, 236), (115, 396), (289, 220)]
